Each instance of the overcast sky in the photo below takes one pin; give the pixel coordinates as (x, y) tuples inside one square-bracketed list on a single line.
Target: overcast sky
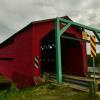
[(15, 14)]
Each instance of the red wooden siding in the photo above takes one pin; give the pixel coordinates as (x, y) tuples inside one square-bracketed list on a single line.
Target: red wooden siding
[(17, 57)]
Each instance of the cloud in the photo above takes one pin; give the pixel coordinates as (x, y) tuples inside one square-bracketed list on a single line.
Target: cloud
[(15, 14)]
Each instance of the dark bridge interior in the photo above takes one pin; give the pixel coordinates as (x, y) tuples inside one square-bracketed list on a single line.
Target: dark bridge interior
[(71, 51)]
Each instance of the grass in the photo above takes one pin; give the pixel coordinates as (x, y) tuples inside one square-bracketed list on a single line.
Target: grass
[(2, 79), (46, 91)]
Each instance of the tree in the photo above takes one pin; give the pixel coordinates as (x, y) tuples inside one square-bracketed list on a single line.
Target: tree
[(97, 60)]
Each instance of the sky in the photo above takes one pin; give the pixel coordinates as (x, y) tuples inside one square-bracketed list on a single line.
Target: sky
[(15, 14)]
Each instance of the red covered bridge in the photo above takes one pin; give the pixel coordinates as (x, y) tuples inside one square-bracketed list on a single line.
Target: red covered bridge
[(32, 51)]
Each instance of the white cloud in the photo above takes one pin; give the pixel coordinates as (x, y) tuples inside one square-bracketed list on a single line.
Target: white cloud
[(15, 14)]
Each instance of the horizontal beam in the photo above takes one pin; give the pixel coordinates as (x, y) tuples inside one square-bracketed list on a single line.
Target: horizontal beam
[(72, 38), (96, 31), (77, 39), (80, 25)]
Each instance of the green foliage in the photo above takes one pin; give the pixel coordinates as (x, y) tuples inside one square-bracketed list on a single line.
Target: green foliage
[(97, 60), (44, 92)]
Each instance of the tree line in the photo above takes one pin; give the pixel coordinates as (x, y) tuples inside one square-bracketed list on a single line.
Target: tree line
[(97, 60)]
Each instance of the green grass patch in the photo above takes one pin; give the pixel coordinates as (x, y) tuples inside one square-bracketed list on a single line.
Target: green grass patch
[(2, 79), (47, 91)]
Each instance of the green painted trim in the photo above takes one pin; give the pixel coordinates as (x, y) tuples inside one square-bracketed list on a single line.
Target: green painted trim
[(58, 50), (78, 24), (64, 28), (82, 26), (72, 38), (78, 39), (58, 33)]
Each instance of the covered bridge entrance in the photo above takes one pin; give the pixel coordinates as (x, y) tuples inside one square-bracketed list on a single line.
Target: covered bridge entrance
[(52, 46), (72, 54)]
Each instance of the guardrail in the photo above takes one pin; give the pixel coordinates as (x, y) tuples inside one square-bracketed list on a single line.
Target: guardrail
[(89, 84), (80, 81), (97, 69)]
